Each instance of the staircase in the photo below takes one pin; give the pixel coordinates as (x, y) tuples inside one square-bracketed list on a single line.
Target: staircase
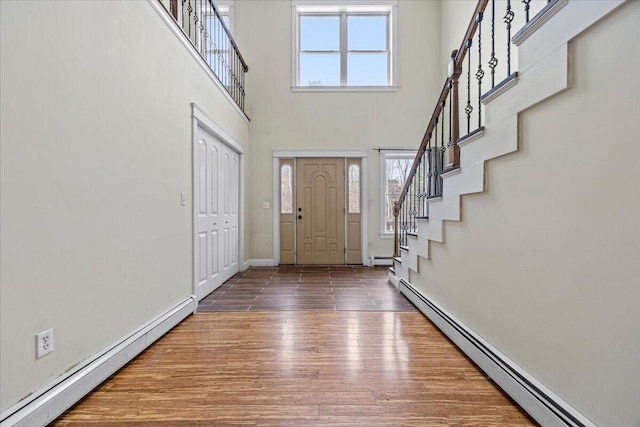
[(449, 166)]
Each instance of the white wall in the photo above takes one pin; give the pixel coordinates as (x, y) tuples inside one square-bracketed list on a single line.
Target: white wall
[(95, 150), (545, 264), (285, 120)]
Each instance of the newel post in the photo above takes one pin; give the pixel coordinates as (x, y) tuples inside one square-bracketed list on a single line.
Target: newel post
[(396, 245), (455, 70)]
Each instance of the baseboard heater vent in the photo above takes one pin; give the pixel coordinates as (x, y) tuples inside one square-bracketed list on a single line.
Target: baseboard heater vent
[(381, 260), (543, 405)]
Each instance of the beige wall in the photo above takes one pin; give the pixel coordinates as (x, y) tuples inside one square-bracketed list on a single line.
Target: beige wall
[(545, 264), (95, 151), (281, 119)]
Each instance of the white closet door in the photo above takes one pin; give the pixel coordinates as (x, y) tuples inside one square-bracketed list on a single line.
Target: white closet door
[(216, 204), (234, 184)]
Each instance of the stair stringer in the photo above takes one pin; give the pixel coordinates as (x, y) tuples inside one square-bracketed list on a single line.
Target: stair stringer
[(500, 137), (544, 70)]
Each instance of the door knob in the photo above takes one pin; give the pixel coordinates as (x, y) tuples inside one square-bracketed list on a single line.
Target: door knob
[(299, 209), (215, 223), (299, 216)]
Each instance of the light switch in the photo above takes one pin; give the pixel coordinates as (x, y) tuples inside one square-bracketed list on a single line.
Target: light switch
[(183, 199), (266, 205)]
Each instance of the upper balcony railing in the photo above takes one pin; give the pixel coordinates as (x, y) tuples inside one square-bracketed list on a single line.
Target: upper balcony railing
[(204, 25), (484, 63)]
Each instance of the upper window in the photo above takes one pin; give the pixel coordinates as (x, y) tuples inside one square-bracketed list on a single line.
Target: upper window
[(343, 46)]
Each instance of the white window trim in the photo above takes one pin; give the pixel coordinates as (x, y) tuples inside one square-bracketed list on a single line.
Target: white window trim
[(342, 6), (389, 153)]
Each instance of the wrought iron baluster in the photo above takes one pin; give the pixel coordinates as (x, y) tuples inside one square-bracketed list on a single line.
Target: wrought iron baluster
[(526, 9), (413, 197), (421, 184), (235, 77), (450, 113), (416, 179), (189, 9), (196, 36), (242, 93), (217, 51), (480, 72), (508, 19), (182, 13), (436, 149), (410, 201), (197, 26), (430, 174), (425, 194), (211, 36), (469, 108), (442, 146), (404, 222), (493, 61)]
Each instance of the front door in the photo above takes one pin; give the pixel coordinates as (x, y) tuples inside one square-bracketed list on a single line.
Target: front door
[(320, 211)]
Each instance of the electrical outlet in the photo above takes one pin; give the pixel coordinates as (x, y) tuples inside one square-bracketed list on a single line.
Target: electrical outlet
[(44, 343)]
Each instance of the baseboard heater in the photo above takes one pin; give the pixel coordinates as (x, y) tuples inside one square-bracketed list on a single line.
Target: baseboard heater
[(543, 405), (381, 260)]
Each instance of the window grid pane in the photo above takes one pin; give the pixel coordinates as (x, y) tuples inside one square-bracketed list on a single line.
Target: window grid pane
[(354, 189), (367, 69), (319, 69), (397, 171), (367, 32), (286, 190), (320, 33)]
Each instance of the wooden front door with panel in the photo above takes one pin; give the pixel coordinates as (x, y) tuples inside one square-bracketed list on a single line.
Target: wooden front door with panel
[(320, 210)]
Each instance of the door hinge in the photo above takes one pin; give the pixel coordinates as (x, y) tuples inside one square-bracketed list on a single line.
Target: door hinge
[(345, 250)]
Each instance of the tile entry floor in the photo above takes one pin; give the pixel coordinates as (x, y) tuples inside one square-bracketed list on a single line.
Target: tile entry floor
[(348, 288)]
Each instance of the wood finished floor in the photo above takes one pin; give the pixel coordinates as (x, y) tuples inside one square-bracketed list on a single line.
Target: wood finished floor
[(350, 288), (299, 368)]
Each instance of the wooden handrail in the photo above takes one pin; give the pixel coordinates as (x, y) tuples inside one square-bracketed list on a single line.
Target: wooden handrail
[(432, 123), (471, 31), (451, 82)]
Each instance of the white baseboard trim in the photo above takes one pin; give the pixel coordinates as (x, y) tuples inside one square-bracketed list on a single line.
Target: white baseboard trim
[(260, 263), (538, 401), (51, 401)]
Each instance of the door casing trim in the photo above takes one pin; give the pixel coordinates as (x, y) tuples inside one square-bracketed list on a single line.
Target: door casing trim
[(364, 206)]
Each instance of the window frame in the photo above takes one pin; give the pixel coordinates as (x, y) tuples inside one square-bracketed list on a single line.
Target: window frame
[(343, 10), (391, 153)]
